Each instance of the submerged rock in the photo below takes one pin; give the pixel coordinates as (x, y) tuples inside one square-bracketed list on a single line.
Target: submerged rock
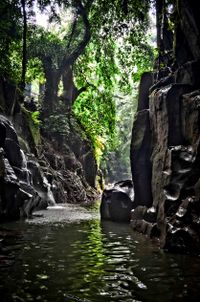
[(116, 203)]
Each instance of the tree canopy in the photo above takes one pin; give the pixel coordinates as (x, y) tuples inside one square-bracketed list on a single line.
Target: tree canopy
[(90, 55)]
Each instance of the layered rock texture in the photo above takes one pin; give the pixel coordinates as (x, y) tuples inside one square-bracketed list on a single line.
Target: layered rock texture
[(37, 171), (165, 149), (165, 157)]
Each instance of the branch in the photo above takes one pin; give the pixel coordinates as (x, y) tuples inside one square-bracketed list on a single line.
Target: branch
[(72, 33), (88, 4), (24, 57), (71, 58)]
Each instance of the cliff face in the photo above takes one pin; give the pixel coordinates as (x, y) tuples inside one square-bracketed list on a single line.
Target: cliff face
[(165, 150), (37, 171)]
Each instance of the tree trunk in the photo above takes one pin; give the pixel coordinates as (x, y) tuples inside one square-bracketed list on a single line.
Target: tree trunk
[(159, 22), (71, 92), (51, 92), (24, 50), (68, 86)]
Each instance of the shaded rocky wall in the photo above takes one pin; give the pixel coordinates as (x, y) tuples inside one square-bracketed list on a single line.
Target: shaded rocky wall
[(165, 158), (165, 149), (141, 146), (37, 171)]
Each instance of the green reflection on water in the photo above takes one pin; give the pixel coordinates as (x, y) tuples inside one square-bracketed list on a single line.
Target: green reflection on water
[(95, 261)]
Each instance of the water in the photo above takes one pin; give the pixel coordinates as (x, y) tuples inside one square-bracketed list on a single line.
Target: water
[(51, 259)]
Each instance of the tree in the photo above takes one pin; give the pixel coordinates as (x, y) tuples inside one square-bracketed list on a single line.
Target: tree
[(60, 54), (109, 67), (24, 47), (9, 33), (107, 35)]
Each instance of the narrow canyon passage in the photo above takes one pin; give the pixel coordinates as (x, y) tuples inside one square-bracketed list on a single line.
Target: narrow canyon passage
[(99, 98)]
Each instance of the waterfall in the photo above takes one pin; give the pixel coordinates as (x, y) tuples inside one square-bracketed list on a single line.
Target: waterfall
[(49, 195)]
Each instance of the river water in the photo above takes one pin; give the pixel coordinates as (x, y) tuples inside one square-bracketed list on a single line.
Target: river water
[(68, 254)]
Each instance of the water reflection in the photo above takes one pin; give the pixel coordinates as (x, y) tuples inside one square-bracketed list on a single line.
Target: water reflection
[(92, 261)]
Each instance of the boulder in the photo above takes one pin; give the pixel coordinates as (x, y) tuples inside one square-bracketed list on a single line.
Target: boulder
[(116, 203), (13, 152)]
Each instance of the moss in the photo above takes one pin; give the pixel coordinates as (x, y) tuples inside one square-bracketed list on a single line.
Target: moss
[(33, 124)]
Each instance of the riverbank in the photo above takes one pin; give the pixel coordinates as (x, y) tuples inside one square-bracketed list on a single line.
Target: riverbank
[(65, 213)]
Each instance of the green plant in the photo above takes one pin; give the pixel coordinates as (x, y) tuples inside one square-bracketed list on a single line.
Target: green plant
[(35, 117)]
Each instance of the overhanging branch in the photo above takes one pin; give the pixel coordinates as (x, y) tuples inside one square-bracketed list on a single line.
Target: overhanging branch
[(72, 57)]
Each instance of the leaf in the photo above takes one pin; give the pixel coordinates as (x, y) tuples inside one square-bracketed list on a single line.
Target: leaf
[(42, 277)]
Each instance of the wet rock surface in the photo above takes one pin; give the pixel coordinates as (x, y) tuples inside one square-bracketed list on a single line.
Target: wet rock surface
[(117, 202), (140, 159), (19, 194), (30, 182), (166, 162)]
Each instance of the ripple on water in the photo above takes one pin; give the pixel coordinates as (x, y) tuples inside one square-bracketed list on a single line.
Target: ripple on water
[(86, 260)]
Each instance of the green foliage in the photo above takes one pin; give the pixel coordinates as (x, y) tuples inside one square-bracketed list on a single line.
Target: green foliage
[(95, 108), (9, 32), (43, 44), (113, 61), (35, 71), (111, 72), (13, 68), (35, 118), (33, 123)]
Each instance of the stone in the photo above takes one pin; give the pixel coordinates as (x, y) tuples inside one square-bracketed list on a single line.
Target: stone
[(18, 194), (167, 137), (145, 83), (2, 135), (120, 206), (8, 95), (13, 152), (65, 166), (140, 159), (105, 204), (117, 202), (188, 74), (190, 114)]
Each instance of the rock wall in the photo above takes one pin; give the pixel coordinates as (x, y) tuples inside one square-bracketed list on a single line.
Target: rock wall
[(19, 195), (165, 155), (37, 171), (165, 149)]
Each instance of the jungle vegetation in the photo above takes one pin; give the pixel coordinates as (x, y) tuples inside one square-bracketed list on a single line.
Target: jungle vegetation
[(86, 59)]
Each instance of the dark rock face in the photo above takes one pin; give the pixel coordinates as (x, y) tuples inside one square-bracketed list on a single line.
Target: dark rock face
[(8, 95), (145, 83), (19, 194), (117, 203), (76, 151), (30, 182), (140, 159), (66, 175), (172, 145), (170, 207), (141, 146)]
